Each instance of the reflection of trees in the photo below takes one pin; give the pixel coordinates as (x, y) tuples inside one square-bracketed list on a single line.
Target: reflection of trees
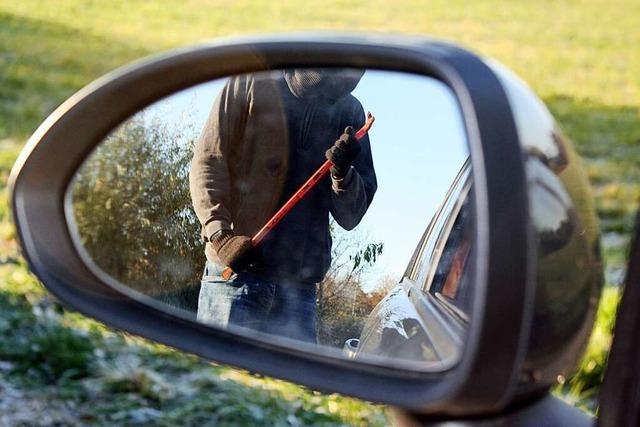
[(133, 211), (342, 304)]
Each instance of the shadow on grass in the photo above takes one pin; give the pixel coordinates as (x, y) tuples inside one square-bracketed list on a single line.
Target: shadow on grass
[(42, 63)]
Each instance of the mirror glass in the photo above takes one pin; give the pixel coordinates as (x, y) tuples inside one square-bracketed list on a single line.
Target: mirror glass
[(272, 205)]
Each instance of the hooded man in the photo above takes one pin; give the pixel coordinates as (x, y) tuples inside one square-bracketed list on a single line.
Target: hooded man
[(266, 134)]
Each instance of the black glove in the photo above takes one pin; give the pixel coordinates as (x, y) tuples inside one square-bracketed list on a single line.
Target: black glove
[(231, 249), (343, 153)]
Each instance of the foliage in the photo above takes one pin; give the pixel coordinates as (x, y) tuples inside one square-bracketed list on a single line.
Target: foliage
[(39, 347), (133, 211), (582, 388), (367, 256), (343, 305), (342, 315)]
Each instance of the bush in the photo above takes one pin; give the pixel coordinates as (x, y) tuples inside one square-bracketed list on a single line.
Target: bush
[(133, 213)]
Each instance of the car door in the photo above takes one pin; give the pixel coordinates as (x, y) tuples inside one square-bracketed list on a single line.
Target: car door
[(423, 318)]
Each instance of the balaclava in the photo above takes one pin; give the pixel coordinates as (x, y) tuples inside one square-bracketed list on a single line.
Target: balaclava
[(322, 84)]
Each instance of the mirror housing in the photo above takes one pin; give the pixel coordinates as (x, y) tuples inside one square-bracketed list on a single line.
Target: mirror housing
[(485, 379)]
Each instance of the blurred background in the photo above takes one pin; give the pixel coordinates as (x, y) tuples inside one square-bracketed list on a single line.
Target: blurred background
[(56, 366)]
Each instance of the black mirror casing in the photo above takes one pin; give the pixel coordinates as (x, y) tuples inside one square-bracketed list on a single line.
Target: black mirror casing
[(485, 378)]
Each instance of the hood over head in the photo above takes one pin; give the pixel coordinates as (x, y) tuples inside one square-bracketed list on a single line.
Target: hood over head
[(324, 84)]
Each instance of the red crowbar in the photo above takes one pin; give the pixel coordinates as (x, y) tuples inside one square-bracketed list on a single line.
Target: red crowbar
[(299, 195)]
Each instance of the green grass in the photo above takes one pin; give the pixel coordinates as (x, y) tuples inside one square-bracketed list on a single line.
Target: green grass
[(582, 389), (581, 57), (105, 377)]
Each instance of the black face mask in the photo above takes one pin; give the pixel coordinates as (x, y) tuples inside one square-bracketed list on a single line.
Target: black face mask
[(326, 85)]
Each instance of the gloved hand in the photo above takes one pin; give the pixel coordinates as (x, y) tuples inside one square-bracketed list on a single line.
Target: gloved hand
[(343, 153), (230, 248)]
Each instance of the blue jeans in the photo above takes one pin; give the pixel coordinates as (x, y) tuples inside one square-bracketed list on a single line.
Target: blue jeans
[(283, 309)]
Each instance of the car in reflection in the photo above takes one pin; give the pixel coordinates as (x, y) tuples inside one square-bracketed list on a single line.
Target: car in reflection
[(425, 316)]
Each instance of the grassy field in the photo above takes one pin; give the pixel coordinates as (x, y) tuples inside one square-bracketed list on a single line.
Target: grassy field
[(581, 57)]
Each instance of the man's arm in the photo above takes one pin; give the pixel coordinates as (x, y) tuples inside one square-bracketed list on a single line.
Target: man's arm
[(354, 184), (209, 180)]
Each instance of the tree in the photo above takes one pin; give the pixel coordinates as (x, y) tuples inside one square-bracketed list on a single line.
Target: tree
[(133, 212), (342, 304)]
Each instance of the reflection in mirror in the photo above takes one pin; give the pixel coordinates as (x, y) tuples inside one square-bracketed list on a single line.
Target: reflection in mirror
[(194, 204)]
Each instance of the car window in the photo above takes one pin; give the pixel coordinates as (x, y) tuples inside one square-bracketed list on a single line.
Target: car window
[(435, 243), (443, 237), (449, 283), (427, 255)]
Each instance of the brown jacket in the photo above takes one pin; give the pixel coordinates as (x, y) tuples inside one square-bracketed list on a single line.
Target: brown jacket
[(237, 174)]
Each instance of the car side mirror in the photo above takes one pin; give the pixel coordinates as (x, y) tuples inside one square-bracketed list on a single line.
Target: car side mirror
[(481, 206)]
